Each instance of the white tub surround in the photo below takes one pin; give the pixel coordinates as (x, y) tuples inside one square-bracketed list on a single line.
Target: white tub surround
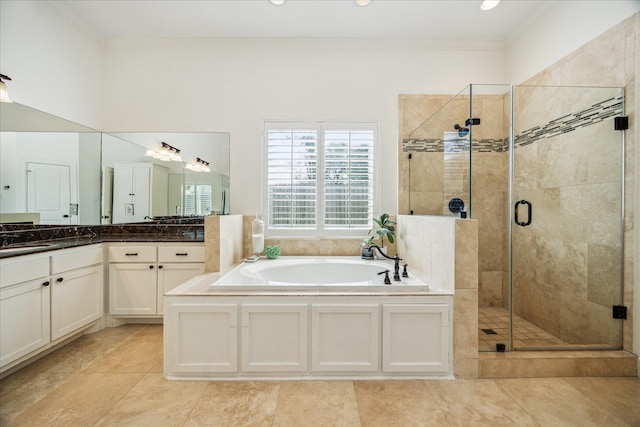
[(322, 330)]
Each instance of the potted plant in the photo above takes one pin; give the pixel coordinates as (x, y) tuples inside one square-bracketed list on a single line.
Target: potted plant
[(384, 228)]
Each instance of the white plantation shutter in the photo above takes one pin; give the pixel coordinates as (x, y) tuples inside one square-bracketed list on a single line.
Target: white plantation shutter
[(348, 178), (205, 201), (320, 178), (197, 199), (292, 169)]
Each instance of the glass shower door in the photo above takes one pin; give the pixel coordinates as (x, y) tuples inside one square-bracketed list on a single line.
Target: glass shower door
[(566, 216)]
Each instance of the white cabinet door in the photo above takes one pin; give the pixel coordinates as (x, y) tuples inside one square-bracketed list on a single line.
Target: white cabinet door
[(345, 337), (274, 337), (188, 349), (172, 275), (133, 289), (24, 319), (76, 299), (415, 338)]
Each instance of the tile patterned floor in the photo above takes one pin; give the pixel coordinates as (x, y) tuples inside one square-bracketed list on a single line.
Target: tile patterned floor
[(525, 334), (114, 378)]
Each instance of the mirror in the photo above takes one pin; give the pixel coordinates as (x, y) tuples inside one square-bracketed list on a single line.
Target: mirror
[(49, 169), (137, 187)]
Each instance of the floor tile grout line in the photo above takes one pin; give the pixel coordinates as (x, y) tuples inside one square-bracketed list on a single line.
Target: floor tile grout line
[(532, 416), (118, 401), (275, 410), (195, 405), (55, 389), (435, 399), (355, 397)]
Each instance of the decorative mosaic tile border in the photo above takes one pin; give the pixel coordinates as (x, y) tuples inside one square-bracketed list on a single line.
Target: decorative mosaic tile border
[(452, 146), (595, 114)]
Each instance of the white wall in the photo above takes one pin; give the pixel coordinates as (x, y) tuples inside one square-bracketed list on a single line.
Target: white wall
[(56, 66), (560, 29), (234, 85)]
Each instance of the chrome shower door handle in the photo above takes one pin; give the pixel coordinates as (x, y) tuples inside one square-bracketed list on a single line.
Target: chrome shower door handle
[(529, 213)]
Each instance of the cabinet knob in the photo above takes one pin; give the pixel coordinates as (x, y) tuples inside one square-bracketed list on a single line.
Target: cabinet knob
[(159, 266), (59, 279), (151, 267), (45, 283)]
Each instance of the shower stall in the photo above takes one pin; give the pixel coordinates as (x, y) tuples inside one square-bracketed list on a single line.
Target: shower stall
[(542, 170)]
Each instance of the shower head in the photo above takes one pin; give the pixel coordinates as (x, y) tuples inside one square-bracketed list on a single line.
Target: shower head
[(462, 132)]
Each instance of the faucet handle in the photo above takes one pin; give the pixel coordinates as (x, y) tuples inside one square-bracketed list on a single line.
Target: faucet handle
[(404, 271), (387, 281)]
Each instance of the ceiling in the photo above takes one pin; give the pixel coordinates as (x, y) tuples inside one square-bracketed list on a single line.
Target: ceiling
[(451, 20)]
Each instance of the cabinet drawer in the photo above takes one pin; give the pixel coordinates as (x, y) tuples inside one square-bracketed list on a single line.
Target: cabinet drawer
[(181, 253), (72, 259), (23, 268), (132, 253)]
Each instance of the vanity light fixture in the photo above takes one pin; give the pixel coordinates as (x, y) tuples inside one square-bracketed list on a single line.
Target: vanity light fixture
[(489, 4), (363, 2), (167, 153), (4, 91), (199, 166), (277, 2)]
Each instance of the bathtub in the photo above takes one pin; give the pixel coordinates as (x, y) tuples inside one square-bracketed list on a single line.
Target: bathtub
[(308, 318), (351, 274)]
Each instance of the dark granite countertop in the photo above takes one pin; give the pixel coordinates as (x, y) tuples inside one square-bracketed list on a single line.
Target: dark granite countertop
[(16, 243)]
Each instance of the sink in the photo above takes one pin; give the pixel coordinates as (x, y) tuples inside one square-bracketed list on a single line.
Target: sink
[(23, 248)]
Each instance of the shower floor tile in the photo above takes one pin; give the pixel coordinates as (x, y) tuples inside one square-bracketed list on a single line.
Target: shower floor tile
[(525, 334)]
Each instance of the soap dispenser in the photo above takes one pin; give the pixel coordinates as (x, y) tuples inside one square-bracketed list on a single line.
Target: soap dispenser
[(257, 236)]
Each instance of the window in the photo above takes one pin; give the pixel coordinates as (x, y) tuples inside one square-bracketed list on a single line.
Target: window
[(320, 178), (197, 199)]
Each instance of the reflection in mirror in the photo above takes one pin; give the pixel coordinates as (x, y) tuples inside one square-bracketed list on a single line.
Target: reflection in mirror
[(49, 169), (141, 183)]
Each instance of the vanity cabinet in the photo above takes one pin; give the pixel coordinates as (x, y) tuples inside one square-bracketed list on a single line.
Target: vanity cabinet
[(140, 190), (45, 298), (139, 275), (24, 306), (77, 289)]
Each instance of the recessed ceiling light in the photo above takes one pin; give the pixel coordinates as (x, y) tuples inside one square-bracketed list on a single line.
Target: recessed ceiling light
[(489, 4), (277, 2), (363, 2)]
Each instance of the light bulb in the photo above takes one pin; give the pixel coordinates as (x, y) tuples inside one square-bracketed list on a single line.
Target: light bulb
[(489, 4)]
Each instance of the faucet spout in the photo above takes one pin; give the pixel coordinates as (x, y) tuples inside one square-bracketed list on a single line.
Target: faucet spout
[(396, 259)]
